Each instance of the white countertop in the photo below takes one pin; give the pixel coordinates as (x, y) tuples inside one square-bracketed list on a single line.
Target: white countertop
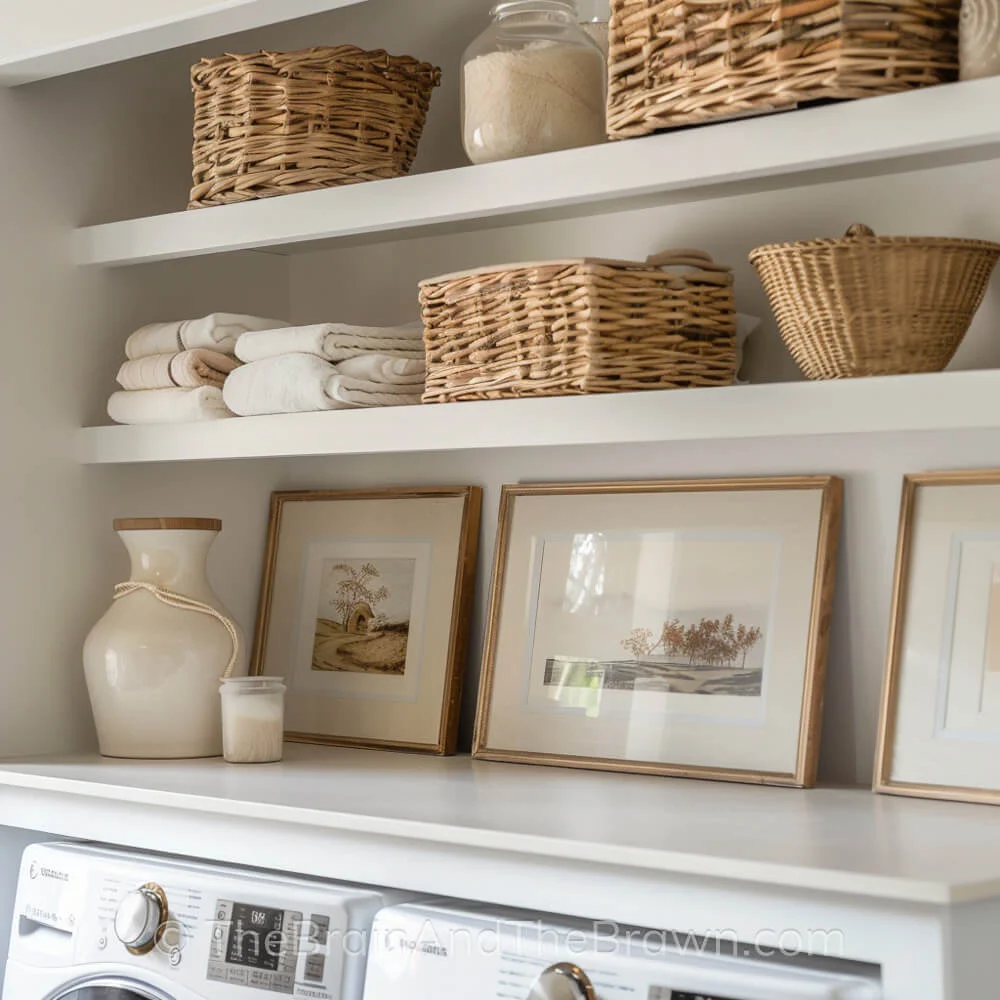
[(842, 840)]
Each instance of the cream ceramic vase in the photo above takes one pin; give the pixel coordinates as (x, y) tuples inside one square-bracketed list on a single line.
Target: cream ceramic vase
[(153, 670), (979, 39)]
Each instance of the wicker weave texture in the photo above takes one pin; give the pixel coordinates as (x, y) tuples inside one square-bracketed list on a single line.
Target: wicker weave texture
[(579, 326), (273, 123), (679, 62), (870, 305)]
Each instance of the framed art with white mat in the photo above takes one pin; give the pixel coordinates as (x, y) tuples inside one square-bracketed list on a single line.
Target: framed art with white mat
[(363, 610), (675, 628), (939, 734)]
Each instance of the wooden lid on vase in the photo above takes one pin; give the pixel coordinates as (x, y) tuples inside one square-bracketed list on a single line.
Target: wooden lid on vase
[(167, 524)]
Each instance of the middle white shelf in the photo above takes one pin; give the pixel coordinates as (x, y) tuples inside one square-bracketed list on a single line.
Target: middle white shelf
[(943, 401)]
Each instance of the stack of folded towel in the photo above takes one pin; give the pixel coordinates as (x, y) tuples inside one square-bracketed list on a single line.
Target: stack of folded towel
[(175, 371), (329, 366)]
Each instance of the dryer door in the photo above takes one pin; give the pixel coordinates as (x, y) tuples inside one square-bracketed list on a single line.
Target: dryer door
[(110, 988)]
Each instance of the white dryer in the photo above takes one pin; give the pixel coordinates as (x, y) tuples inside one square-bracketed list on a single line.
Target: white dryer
[(432, 952), (97, 924)]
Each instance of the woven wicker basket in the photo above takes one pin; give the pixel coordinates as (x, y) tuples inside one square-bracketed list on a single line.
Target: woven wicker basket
[(567, 327), (874, 305), (275, 123), (679, 62)]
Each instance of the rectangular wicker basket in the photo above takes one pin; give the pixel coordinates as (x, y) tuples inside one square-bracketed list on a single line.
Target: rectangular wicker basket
[(568, 327), (272, 123), (680, 62)]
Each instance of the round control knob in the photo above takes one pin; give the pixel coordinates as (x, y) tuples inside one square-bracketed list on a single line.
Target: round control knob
[(562, 981), (139, 918)]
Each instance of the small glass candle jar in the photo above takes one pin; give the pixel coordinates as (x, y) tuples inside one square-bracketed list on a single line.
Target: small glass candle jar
[(533, 82), (253, 719)]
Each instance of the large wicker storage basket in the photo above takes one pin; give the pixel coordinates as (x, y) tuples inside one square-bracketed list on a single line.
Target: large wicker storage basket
[(567, 327), (275, 123), (679, 62), (874, 305)]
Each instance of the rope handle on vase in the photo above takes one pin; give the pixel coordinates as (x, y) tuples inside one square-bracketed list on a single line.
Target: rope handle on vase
[(175, 600)]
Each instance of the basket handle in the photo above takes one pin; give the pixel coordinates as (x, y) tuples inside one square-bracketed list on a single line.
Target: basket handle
[(686, 258), (858, 230)]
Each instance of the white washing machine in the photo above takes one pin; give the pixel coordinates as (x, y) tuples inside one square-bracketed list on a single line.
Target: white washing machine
[(96, 924), (431, 952)]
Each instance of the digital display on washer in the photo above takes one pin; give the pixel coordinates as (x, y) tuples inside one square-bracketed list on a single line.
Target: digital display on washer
[(255, 946), (663, 993), (694, 996), (666, 993), (255, 937)]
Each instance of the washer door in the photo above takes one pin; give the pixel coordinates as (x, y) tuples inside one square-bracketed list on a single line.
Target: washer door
[(109, 988)]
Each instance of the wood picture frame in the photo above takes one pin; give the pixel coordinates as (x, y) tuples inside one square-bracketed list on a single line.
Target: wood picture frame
[(511, 660), (369, 557), (940, 558)]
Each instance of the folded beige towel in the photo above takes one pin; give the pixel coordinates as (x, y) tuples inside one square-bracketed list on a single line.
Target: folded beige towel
[(333, 342), (217, 332), (299, 383), (189, 369), (382, 368), (167, 406)]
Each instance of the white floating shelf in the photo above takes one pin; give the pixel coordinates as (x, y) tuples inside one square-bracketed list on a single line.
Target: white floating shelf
[(426, 823), (938, 125), (945, 401), (132, 34)]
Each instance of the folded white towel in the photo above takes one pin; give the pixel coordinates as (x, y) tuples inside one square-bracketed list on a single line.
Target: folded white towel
[(218, 332), (357, 392), (300, 383), (333, 342), (382, 368), (364, 385), (167, 406)]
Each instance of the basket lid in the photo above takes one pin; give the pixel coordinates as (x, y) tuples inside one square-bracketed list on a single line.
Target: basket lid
[(167, 524), (697, 259), (319, 58), (860, 236)]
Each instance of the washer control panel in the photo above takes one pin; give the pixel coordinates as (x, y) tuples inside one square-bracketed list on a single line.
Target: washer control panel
[(90, 911)]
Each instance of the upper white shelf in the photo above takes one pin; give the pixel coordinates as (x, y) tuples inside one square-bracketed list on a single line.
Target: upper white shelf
[(938, 125), (44, 38), (945, 401), (428, 823)]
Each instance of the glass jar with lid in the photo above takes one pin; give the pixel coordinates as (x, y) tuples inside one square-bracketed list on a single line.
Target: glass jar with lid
[(593, 16), (533, 82)]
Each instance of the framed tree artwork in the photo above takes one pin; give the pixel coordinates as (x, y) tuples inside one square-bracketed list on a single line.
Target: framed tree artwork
[(363, 610), (940, 724), (675, 628)]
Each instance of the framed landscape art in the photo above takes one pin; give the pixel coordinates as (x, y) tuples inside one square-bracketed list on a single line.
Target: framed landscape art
[(939, 735), (363, 610), (663, 627)]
